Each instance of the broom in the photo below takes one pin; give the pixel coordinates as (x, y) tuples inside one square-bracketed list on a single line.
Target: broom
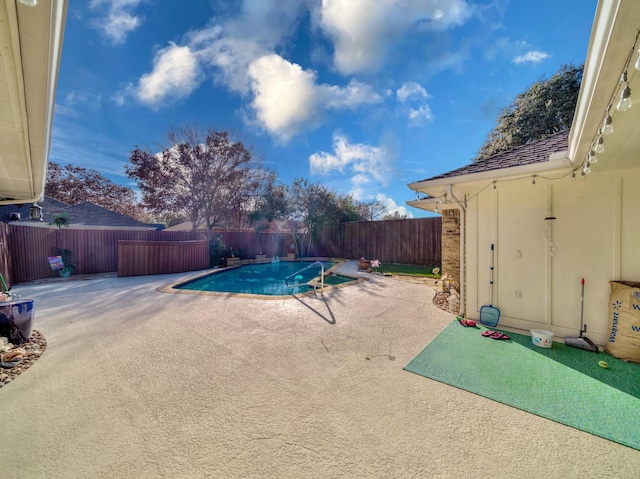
[(581, 342)]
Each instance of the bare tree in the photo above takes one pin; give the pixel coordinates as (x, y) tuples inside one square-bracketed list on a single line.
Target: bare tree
[(204, 175), (74, 184)]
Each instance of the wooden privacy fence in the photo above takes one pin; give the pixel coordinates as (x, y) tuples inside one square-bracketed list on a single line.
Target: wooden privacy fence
[(5, 254), (138, 258), (93, 251), (24, 249), (248, 244), (411, 241)]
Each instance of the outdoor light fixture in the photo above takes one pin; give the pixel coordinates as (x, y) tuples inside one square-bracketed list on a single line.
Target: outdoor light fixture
[(573, 176), (622, 92), (599, 148), (625, 97), (35, 212), (533, 181), (625, 102), (607, 124)]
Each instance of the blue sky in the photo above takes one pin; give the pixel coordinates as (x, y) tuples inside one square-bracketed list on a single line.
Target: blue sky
[(364, 96)]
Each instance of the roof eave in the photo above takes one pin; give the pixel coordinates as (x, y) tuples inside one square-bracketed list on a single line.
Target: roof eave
[(557, 161), (35, 36)]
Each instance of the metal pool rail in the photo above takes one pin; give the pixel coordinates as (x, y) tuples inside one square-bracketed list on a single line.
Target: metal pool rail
[(286, 281)]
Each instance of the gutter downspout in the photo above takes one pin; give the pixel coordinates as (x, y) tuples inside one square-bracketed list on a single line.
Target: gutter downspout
[(462, 235)]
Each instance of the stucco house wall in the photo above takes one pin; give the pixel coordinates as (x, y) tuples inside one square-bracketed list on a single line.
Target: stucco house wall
[(539, 263), (550, 232)]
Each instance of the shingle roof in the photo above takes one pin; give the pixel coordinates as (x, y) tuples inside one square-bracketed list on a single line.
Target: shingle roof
[(534, 152), (82, 214), (90, 214)]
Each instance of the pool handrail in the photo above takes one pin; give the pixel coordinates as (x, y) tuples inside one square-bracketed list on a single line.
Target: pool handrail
[(286, 281)]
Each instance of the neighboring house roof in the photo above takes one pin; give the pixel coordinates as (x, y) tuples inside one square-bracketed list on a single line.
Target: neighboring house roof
[(534, 152), (187, 226), (85, 214), (274, 227)]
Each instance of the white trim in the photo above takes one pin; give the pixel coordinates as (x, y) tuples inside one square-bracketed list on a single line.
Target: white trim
[(56, 38), (603, 25), (514, 171)]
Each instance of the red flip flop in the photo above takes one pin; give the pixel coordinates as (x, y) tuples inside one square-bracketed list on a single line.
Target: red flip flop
[(488, 333), (499, 335), (467, 323)]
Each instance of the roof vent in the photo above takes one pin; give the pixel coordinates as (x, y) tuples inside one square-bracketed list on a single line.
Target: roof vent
[(14, 217)]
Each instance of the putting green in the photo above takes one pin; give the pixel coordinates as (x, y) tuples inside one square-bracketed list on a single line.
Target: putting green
[(561, 383)]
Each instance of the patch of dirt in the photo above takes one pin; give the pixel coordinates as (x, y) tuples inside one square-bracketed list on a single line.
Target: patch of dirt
[(31, 350), (441, 299)]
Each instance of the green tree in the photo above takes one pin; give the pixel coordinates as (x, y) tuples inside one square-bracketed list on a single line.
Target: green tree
[(547, 107), (270, 206), (310, 206), (74, 184), (61, 221)]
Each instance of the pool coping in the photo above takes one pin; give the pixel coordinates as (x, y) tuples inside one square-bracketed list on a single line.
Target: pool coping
[(171, 288)]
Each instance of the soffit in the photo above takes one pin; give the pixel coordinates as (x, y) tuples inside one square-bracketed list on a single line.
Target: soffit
[(614, 31), (30, 48)]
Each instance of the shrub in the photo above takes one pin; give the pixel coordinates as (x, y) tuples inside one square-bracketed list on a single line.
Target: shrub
[(217, 250)]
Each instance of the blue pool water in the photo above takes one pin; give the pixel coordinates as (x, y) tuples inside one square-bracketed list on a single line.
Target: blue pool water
[(264, 278)]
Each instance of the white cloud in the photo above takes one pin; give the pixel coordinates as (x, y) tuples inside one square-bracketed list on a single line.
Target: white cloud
[(176, 73), (89, 99), (419, 112), (287, 99), (419, 116), (363, 31), (284, 99), (230, 56), (119, 19), (411, 90), (534, 56), (368, 165), (391, 207), (353, 95)]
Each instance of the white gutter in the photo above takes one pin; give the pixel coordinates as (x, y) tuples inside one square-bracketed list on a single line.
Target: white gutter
[(557, 161), (594, 74), (462, 222)]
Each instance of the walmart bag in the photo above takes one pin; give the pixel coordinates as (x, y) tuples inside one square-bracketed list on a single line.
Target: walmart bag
[(624, 321)]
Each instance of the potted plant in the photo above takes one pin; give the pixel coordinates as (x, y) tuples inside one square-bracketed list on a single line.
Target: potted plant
[(363, 263), (63, 221), (233, 260)]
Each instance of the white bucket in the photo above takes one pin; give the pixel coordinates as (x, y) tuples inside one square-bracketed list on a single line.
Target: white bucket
[(542, 338)]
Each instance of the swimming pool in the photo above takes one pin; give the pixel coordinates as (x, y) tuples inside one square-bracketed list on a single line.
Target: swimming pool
[(264, 279)]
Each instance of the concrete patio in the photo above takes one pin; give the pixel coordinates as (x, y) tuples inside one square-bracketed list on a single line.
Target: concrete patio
[(139, 383)]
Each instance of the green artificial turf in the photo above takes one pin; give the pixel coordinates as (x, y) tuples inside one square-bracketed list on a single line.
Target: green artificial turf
[(563, 384), (408, 269)]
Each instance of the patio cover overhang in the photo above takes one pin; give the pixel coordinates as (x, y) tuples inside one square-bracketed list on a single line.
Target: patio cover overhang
[(611, 52), (30, 50)]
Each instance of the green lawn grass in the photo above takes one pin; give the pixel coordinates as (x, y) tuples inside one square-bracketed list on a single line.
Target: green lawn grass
[(408, 269)]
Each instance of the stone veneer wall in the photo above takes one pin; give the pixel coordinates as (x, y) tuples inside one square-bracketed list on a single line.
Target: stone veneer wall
[(451, 243)]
